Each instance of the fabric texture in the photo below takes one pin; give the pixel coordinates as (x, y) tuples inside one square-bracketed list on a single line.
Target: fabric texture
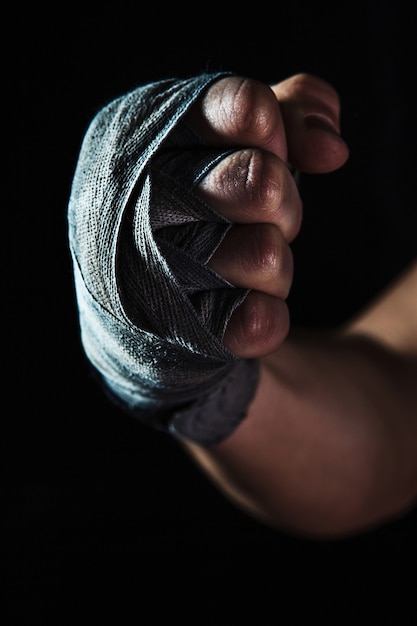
[(152, 313)]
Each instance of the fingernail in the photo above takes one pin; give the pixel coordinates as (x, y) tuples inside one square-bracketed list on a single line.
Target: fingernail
[(318, 121)]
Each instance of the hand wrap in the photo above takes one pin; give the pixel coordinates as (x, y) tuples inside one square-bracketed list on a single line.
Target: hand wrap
[(152, 314)]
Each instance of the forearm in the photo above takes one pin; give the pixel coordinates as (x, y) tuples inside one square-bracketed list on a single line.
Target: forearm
[(329, 445)]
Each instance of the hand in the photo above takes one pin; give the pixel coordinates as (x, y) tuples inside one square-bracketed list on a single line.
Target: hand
[(293, 122)]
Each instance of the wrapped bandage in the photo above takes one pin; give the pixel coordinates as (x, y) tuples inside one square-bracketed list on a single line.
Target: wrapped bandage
[(152, 313)]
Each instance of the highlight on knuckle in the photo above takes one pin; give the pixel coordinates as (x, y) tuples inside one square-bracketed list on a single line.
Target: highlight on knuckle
[(257, 179), (266, 251), (251, 179), (249, 108), (259, 325), (242, 176)]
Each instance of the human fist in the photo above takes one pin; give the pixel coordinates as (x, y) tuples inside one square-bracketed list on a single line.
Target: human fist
[(293, 123)]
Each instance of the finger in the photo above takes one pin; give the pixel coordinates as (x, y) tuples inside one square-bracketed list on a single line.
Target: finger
[(258, 326), (310, 108), (255, 256), (237, 111), (251, 186)]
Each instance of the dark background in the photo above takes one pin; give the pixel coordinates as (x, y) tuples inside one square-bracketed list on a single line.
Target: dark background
[(101, 516)]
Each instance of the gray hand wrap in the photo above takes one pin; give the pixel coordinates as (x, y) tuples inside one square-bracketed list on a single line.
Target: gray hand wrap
[(152, 314)]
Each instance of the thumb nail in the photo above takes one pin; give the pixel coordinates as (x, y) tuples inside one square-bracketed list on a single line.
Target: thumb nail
[(319, 121)]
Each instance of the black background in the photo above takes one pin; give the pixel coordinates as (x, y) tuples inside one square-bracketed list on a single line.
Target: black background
[(103, 517)]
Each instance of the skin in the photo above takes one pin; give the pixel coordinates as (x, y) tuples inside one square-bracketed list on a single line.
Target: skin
[(329, 444)]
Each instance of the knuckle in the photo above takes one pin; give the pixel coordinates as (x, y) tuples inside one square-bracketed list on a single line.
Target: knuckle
[(272, 259), (271, 193), (258, 326), (314, 93), (266, 250), (248, 104), (264, 181), (252, 185), (255, 178), (246, 177), (290, 208), (261, 322)]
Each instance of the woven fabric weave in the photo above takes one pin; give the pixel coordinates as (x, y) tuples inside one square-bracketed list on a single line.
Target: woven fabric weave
[(152, 313)]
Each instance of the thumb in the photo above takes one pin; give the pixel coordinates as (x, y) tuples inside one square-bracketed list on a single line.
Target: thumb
[(310, 108)]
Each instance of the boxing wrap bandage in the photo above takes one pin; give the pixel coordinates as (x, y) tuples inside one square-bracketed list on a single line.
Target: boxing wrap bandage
[(152, 313)]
